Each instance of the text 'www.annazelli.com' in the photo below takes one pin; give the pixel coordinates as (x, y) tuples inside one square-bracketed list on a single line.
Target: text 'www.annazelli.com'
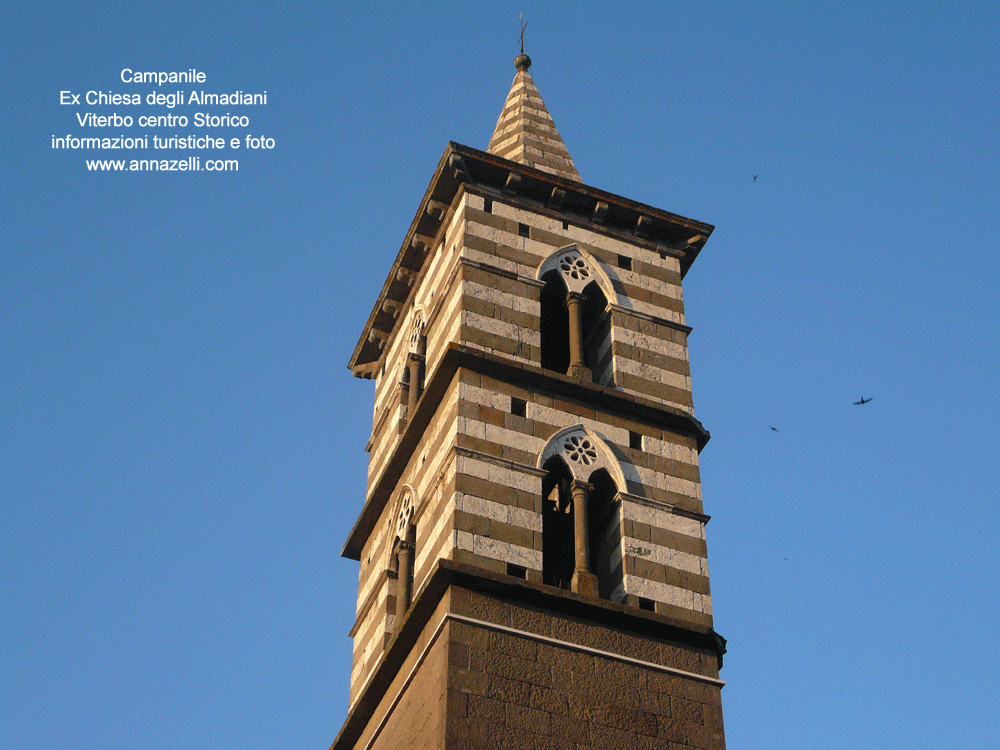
[(191, 164)]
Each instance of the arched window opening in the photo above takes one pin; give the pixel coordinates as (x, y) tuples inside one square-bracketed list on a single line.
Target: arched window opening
[(596, 334), (555, 323), (403, 389), (411, 381), (557, 524), (403, 554), (575, 327), (604, 534), (581, 523)]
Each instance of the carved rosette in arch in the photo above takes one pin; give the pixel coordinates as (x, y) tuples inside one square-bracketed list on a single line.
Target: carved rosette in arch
[(577, 269), (400, 521), (584, 452), (415, 344), (405, 516), (416, 331)]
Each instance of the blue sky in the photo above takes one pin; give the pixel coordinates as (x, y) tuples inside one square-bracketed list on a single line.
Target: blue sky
[(182, 444)]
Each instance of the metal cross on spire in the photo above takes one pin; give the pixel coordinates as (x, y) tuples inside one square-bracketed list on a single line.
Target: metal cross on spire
[(523, 26)]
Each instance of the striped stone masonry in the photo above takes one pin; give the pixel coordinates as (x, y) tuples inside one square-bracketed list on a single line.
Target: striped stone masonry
[(473, 477), (479, 289), (525, 132)]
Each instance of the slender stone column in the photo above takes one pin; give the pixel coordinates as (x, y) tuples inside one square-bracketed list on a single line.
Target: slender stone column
[(584, 580), (415, 364), (404, 579), (574, 300)]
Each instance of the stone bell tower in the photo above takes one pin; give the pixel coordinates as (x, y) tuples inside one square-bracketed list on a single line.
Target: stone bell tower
[(532, 543)]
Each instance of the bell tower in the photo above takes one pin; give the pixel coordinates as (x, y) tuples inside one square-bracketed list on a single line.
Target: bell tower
[(532, 543)]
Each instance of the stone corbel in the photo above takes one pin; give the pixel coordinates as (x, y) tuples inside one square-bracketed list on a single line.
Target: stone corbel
[(392, 307), (420, 246), (643, 226), (513, 183), (436, 209), (600, 211), (458, 165)]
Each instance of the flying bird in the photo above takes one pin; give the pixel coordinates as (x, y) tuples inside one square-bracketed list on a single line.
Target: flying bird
[(863, 401), (775, 429), (755, 177)]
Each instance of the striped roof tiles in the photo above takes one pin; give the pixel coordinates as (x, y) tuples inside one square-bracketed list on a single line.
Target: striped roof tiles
[(525, 132)]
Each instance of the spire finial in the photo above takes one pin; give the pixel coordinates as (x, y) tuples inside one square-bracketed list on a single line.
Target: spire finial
[(525, 132), (522, 61)]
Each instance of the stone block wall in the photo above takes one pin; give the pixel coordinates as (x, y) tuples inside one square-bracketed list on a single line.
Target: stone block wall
[(482, 671), (527, 678)]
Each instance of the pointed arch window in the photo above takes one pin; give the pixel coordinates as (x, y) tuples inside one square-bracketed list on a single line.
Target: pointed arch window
[(575, 327), (557, 524), (581, 519), (555, 324), (604, 535), (412, 380), (416, 359), (403, 556)]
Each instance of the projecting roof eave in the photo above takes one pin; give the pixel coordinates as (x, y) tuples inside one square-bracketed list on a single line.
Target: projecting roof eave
[(460, 166)]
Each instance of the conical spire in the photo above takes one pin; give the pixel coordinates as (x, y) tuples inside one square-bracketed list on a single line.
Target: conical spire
[(525, 132)]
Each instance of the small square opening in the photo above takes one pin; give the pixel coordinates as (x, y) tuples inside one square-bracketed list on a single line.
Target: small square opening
[(518, 407), (634, 440), (488, 205), (522, 229), (565, 225), (518, 571), (646, 604), (625, 262)]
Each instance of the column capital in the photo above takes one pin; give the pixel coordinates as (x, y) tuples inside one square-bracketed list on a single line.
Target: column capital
[(406, 545)]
